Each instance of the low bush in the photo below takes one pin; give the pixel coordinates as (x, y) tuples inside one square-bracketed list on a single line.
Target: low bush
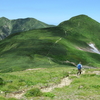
[(1, 81), (33, 92), (49, 94)]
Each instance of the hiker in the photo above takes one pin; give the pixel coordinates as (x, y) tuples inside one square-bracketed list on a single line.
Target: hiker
[(79, 67)]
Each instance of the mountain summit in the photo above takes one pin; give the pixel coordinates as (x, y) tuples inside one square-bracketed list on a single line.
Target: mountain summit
[(82, 28)]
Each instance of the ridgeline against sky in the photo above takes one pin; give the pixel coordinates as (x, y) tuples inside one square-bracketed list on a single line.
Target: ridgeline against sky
[(50, 12)]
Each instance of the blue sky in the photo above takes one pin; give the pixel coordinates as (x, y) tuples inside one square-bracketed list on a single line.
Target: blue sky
[(49, 11)]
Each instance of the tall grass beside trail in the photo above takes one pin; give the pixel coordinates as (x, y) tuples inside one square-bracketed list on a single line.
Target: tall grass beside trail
[(41, 77), (84, 87), (3, 98)]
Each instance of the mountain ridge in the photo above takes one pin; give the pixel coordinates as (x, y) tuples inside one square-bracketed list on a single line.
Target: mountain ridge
[(8, 27), (51, 46)]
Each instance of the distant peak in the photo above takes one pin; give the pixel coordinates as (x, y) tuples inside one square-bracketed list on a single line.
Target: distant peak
[(80, 16), (4, 18), (76, 20)]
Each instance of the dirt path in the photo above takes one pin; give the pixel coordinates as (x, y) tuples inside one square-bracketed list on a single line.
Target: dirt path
[(58, 40), (64, 82), (17, 94), (34, 69)]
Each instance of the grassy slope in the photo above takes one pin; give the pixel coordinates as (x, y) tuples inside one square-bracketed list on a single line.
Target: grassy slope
[(20, 25), (8, 27), (36, 48), (28, 48), (82, 29), (85, 87)]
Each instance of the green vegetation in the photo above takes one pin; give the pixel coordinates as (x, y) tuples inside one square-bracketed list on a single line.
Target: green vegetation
[(41, 47), (2, 98), (1, 81), (49, 94), (8, 27), (31, 81), (85, 86), (33, 92), (82, 29), (33, 77)]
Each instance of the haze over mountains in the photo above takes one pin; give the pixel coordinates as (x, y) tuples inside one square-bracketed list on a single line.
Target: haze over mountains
[(67, 43), (8, 27)]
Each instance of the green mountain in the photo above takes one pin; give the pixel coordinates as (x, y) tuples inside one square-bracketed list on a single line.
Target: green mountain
[(5, 27), (8, 27), (67, 43)]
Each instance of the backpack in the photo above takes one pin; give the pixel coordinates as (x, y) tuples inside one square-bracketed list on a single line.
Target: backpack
[(79, 66)]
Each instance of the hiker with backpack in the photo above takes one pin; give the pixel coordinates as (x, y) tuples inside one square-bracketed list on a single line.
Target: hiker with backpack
[(79, 67)]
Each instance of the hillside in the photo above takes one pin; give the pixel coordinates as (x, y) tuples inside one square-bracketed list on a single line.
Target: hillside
[(65, 44), (55, 83), (8, 27), (83, 28)]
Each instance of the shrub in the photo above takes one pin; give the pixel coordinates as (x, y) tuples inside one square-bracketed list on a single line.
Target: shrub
[(21, 84), (1, 81), (65, 74), (48, 94), (33, 92), (88, 75), (95, 86), (12, 87)]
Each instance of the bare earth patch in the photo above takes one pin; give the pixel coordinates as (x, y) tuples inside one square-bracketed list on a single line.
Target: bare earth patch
[(96, 72), (64, 82), (34, 69)]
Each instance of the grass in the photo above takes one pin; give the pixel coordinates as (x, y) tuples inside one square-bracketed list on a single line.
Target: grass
[(83, 87), (33, 77), (3, 98)]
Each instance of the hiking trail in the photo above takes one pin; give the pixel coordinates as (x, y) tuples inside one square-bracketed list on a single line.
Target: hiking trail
[(64, 82)]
